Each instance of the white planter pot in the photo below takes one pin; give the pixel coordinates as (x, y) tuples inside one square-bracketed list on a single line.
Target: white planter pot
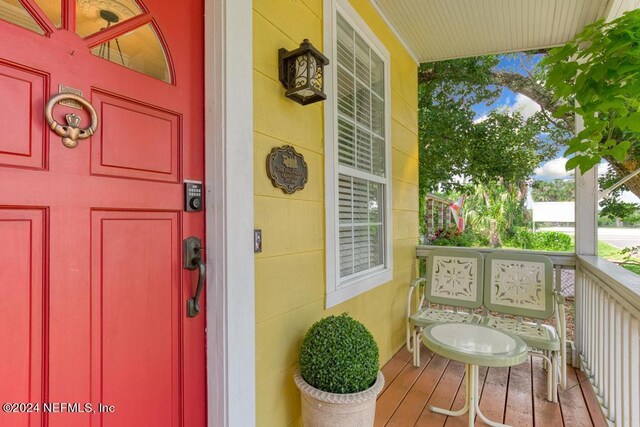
[(323, 409)]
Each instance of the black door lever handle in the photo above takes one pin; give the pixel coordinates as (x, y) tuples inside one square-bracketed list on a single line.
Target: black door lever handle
[(192, 260), (193, 306)]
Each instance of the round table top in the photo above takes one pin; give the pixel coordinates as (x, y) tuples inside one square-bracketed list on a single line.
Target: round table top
[(475, 344)]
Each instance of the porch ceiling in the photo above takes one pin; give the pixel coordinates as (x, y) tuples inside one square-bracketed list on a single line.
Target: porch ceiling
[(445, 29)]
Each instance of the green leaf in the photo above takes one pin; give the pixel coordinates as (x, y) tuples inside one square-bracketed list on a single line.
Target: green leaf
[(606, 85), (597, 73), (588, 162), (563, 110), (573, 163), (559, 53), (633, 123), (573, 148), (619, 152)]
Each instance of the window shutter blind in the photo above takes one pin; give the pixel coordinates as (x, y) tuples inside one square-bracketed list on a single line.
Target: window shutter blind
[(361, 153)]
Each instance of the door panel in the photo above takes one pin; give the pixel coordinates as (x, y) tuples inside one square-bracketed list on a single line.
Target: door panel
[(136, 314), (156, 151), (21, 305), (91, 237), (24, 141)]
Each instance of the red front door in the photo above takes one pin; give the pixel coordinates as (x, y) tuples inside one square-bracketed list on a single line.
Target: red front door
[(93, 295)]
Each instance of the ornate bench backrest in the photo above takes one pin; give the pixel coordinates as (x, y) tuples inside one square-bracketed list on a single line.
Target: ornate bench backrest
[(521, 285), (454, 277)]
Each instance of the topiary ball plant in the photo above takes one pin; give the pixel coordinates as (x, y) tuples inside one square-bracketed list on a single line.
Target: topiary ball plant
[(339, 355)]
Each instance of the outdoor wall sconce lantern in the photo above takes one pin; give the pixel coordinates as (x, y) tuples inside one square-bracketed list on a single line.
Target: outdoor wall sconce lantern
[(301, 73)]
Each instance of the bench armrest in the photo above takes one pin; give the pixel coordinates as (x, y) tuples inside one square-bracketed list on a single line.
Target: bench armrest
[(416, 284), (558, 297), (561, 327)]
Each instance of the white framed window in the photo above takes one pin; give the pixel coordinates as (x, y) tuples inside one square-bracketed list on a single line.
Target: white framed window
[(357, 156)]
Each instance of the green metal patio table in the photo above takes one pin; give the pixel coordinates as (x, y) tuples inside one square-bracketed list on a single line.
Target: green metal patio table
[(474, 345)]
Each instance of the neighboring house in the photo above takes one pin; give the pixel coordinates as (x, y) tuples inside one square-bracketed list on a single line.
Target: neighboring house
[(554, 212), (93, 286)]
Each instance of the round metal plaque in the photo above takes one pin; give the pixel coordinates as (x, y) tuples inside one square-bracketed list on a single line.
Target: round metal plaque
[(287, 169)]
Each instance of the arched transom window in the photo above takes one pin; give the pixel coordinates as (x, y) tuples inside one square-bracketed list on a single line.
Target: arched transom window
[(120, 31)]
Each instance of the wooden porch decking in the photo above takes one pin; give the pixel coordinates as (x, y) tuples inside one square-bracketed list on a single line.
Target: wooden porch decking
[(515, 396)]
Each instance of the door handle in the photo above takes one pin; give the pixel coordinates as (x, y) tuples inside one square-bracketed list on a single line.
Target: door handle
[(192, 260)]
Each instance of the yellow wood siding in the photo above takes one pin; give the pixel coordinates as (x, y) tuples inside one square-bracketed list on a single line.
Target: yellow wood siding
[(290, 272)]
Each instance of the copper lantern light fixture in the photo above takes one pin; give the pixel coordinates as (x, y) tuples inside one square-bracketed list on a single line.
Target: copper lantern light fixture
[(301, 73)]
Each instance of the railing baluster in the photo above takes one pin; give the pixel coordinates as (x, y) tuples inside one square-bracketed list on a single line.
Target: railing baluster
[(595, 303), (617, 363), (599, 368), (625, 371), (634, 368), (591, 323), (593, 327), (611, 358), (588, 321), (578, 309), (587, 318)]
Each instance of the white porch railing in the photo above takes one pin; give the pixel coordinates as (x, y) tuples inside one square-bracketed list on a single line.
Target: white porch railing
[(437, 215), (608, 336), (607, 329)]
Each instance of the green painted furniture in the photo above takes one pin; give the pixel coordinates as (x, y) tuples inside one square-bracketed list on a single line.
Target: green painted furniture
[(521, 285), (509, 287), (474, 345), (453, 278)]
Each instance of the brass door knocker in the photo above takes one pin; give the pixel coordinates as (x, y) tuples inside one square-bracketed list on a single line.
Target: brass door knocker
[(70, 132)]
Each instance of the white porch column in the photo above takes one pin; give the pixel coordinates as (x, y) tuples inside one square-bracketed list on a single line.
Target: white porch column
[(229, 213), (586, 227)]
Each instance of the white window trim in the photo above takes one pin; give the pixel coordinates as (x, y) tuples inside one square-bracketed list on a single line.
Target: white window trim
[(338, 292)]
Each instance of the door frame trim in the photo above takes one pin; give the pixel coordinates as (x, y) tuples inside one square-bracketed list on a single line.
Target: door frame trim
[(229, 212)]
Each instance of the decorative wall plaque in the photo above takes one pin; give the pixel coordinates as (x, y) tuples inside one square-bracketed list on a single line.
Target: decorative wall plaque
[(287, 169)]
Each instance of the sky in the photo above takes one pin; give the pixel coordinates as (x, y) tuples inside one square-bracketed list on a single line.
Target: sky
[(510, 101)]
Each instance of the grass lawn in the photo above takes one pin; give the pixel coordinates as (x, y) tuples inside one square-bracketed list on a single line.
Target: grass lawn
[(612, 253)]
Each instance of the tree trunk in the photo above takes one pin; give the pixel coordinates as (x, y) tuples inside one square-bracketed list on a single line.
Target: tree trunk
[(625, 168), (494, 234)]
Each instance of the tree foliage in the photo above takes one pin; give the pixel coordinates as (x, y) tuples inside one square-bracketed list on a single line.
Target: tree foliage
[(600, 69), (495, 208), (482, 74), (455, 147), (489, 159), (558, 190), (446, 116), (506, 147), (597, 76)]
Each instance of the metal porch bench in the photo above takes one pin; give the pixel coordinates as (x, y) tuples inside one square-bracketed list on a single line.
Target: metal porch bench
[(497, 290)]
